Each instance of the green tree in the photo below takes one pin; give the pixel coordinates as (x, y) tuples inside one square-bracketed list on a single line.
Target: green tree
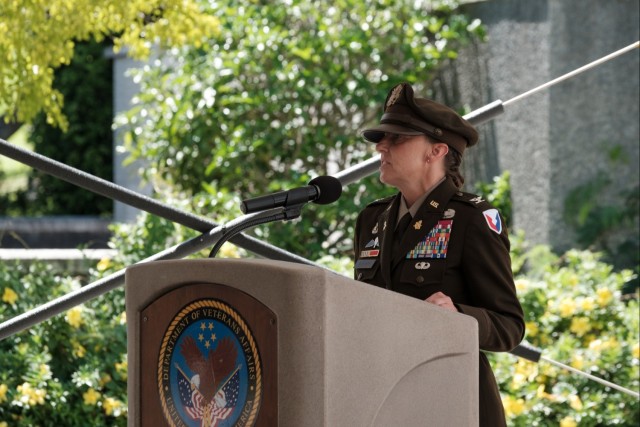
[(87, 87), (278, 96), (39, 36)]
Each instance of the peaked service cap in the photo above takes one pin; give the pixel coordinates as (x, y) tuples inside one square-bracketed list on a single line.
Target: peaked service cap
[(404, 114)]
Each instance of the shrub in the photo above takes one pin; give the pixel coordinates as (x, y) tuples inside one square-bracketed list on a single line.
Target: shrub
[(577, 315), (69, 370)]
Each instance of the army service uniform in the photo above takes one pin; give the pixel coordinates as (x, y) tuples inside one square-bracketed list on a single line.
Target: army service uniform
[(456, 244)]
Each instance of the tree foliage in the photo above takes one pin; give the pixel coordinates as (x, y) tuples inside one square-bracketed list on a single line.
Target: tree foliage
[(38, 36), (278, 97), (87, 86)]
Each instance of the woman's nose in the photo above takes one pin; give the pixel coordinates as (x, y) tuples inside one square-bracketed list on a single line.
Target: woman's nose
[(383, 145)]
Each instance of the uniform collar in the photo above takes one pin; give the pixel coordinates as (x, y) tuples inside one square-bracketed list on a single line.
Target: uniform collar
[(413, 210)]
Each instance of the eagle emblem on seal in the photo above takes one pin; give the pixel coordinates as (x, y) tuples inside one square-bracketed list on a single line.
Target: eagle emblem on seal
[(210, 373)]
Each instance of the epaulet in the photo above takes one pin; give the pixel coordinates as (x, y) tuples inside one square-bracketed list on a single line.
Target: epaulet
[(383, 201), (471, 199)]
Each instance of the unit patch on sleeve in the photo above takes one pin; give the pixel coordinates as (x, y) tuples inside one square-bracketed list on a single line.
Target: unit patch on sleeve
[(435, 243), (493, 220)]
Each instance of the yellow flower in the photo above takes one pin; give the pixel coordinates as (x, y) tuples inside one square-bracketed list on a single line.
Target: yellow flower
[(113, 406), (103, 264), (45, 371), (587, 304), (90, 397), (512, 407), (573, 280), (532, 329), (229, 250), (636, 351), (575, 402), (601, 345), (78, 350), (121, 368), (4, 424), (568, 422), (567, 307), (31, 396), (9, 296), (74, 316), (580, 326), (3, 392), (577, 361), (604, 296), (525, 371), (105, 379), (522, 284), (541, 394)]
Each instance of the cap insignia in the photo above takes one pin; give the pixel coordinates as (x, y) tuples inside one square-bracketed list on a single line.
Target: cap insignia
[(393, 97)]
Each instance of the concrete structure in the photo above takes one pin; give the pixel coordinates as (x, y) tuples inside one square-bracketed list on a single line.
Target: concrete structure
[(124, 89), (570, 135)]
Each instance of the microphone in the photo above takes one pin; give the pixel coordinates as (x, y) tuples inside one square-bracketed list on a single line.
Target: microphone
[(321, 190)]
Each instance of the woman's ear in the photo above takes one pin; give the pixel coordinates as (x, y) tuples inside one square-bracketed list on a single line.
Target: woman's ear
[(439, 150)]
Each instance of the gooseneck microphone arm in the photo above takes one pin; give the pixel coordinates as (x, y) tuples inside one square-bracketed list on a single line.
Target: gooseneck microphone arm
[(277, 214)]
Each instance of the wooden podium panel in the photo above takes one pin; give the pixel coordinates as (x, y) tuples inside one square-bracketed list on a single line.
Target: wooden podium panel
[(204, 363)]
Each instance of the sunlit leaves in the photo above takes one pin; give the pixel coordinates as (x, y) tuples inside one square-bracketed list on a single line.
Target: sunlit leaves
[(38, 36)]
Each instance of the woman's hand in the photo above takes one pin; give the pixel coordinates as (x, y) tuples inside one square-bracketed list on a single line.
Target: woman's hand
[(441, 300)]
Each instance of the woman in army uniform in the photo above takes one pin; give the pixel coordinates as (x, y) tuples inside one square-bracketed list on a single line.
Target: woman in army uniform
[(455, 250)]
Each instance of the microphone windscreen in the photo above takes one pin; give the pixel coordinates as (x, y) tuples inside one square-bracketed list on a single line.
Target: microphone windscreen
[(329, 188)]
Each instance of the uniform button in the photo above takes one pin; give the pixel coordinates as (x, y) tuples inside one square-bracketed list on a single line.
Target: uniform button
[(419, 279)]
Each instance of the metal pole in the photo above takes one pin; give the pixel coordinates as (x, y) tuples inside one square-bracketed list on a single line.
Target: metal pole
[(102, 286), (131, 198)]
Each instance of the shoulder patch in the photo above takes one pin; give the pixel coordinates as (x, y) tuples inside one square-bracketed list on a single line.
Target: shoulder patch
[(493, 220)]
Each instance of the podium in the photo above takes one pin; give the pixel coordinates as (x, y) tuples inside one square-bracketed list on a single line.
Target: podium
[(221, 342)]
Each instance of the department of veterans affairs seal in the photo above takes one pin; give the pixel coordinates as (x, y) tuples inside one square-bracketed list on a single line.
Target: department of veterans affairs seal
[(209, 368)]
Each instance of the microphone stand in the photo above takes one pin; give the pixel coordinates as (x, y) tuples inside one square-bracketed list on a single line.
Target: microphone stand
[(285, 213)]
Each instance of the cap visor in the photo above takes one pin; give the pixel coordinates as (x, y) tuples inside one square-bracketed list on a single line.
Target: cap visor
[(376, 134)]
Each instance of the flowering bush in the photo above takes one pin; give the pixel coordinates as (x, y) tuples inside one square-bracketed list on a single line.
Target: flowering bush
[(64, 371), (71, 370), (577, 316)]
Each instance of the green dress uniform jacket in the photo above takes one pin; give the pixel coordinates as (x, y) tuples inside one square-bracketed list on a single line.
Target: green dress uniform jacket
[(455, 244)]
